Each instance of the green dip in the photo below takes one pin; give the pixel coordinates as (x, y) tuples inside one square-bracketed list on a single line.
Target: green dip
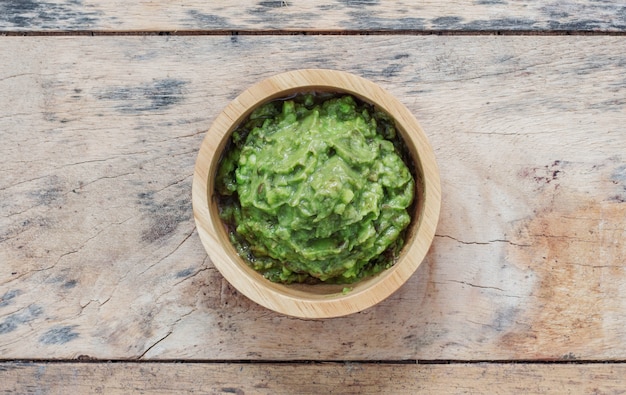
[(314, 188)]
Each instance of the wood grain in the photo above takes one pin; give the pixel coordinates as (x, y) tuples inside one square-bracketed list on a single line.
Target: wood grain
[(98, 252), (302, 15), (326, 378)]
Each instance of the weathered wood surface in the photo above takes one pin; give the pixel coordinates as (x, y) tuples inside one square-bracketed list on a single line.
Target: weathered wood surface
[(320, 378), (361, 15), (98, 254)]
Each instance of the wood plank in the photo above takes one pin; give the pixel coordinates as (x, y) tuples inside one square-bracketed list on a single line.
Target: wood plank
[(318, 378), (272, 15), (98, 254)]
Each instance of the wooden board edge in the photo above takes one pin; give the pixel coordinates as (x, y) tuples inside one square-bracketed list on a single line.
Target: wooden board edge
[(327, 377)]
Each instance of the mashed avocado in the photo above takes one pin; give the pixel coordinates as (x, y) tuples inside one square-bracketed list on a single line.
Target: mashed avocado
[(315, 188)]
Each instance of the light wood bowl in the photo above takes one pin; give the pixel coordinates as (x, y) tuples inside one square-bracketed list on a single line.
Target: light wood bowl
[(320, 300)]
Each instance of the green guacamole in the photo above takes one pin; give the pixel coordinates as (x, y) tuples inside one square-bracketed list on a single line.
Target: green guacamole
[(315, 188)]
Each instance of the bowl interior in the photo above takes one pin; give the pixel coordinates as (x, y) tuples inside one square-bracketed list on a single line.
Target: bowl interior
[(319, 300)]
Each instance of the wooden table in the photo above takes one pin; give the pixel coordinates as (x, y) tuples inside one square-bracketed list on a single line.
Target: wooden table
[(106, 288)]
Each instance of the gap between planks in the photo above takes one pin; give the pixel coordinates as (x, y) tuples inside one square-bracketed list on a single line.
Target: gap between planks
[(89, 360), (446, 32)]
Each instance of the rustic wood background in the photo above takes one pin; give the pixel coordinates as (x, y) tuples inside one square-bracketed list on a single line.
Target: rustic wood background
[(99, 259), (274, 16)]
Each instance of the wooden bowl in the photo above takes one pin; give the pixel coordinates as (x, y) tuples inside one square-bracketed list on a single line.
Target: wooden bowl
[(320, 300)]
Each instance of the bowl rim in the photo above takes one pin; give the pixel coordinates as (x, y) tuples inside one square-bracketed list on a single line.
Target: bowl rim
[(294, 300)]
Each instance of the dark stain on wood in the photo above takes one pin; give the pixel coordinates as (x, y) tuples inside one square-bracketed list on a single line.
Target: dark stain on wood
[(365, 20), (392, 70), (209, 20), (359, 3), (545, 175), (618, 177), (395, 65), (59, 335), (569, 357), (555, 13), (8, 297), (576, 25), (273, 3), (52, 193), (429, 334), (612, 16), (157, 95), (27, 14), (270, 13), (231, 390), (490, 2), (19, 227), (498, 24), (166, 215), (61, 279), (446, 22), (619, 198), (69, 284), (13, 321), (205, 286), (185, 273), (505, 318)]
